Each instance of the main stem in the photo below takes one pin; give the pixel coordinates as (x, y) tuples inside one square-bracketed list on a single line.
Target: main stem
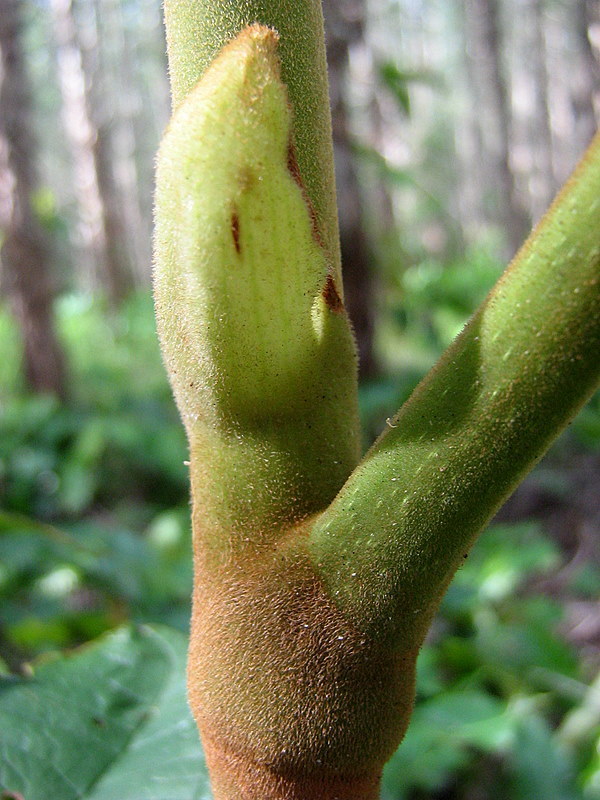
[(311, 596)]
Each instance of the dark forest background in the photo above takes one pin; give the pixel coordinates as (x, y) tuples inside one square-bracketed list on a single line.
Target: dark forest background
[(455, 122)]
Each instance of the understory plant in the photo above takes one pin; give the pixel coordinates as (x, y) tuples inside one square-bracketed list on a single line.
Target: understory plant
[(317, 574)]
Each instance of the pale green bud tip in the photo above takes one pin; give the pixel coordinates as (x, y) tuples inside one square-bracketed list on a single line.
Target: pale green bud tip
[(250, 60), (249, 313)]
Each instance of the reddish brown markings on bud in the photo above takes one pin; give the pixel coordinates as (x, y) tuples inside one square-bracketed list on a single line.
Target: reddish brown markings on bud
[(294, 170), (331, 296), (292, 164), (235, 231)]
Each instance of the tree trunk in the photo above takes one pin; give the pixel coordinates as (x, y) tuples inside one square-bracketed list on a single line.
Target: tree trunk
[(476, 168), (343, 24), (115, 106), (120, 120), (25, 251), (483, 30), (103, 251), (544, 184), (585, 96)]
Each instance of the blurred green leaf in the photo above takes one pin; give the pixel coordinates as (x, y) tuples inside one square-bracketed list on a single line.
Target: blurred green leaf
[(61, 587), (540, 767), (109, 721), (503, 558), (429, 672), (591, 776), (398, 81), (119, 436), (439, 737), (525, 642), (586, 425)]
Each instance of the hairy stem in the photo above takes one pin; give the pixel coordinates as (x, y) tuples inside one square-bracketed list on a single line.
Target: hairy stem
[(253, 329), (389, 544), (314, 585)]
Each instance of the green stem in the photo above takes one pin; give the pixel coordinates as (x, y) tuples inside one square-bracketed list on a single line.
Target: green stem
[(304, 636), (389, 544), (254, 334)]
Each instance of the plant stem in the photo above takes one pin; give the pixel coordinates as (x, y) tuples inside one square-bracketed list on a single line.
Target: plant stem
[(389, 544), (258, 345), (307, 622)]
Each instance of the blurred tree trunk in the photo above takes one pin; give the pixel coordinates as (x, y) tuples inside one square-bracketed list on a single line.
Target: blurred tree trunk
[(103, 239), (544, 184), (484, 47), (25, 250), (118, 279), (585, 84), (147, 52), (120, 110), (476, 170), (343, 25)]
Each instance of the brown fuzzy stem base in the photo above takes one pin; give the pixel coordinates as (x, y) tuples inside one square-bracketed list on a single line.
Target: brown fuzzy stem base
[(234, 778)]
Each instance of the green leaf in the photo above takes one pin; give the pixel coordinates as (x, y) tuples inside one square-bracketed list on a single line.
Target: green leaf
[(591, 777), (398, 81), (540, 767), (110, 721), (440, 736), (527, 642), (503, 558), (395, 80)]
